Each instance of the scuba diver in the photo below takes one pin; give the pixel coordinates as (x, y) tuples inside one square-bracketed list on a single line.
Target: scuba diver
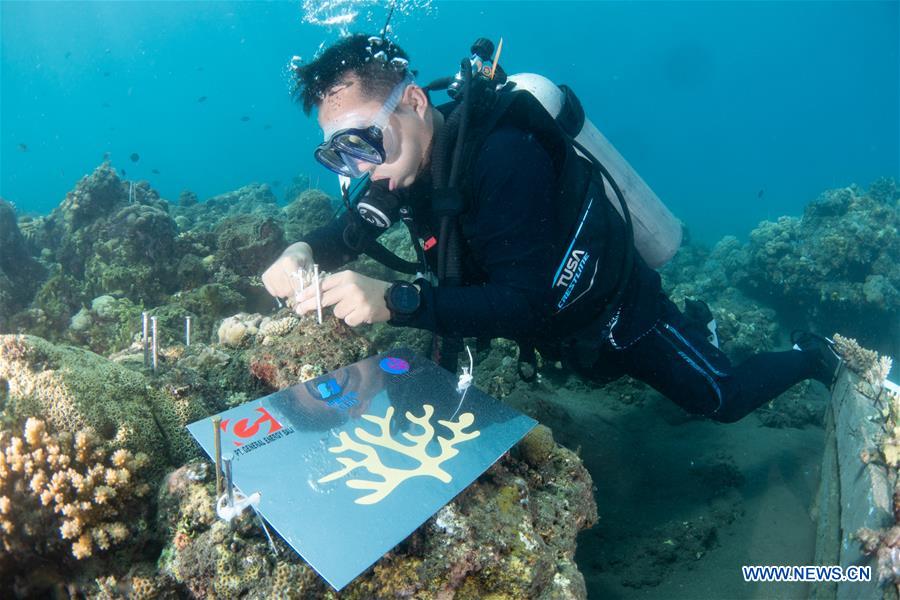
[(521, 232)]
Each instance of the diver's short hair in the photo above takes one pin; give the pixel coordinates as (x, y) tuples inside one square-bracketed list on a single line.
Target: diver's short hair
[(378, 74)]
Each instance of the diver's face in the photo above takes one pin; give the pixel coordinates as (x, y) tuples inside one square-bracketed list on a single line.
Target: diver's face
[(406, 137)]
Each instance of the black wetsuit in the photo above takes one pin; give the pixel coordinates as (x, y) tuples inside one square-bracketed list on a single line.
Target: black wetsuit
[(511, 255)]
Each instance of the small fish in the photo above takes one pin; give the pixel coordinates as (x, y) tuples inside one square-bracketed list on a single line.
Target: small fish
[(106, 156), (199, 68), (68, 54), (106, 73), (201, 99), (760, 194), (105, 105), (124, 173), (155, 171), (23, 147), (245, 118), (267, 126), (135, 157)]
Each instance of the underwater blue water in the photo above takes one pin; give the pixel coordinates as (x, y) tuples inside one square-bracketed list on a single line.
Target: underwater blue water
[(733, 112)]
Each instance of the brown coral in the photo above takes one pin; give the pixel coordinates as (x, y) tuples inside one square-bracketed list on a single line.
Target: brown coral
[(64, 491), (872, 368)]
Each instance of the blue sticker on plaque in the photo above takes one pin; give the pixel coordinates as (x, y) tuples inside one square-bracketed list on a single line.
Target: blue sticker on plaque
[(350, 463)]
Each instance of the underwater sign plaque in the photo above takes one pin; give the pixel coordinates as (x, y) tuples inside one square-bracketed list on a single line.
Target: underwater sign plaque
[(347, 465)]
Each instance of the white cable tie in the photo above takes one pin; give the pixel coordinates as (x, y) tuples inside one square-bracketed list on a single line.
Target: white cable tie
[(465, 381), (241, 502)]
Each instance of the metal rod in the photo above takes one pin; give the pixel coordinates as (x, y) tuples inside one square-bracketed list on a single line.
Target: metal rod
[(318, 293), (229, 481), (155, 343), (187, 331), (217, 436), (145, 318)]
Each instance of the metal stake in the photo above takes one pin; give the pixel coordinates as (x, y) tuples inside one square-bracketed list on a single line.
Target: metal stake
[(187, 331), (144, 316), (229, 482), (318, 293), (217, 436), (155, 343)]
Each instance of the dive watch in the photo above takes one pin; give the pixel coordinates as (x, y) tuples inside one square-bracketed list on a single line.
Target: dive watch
[(403, 300)]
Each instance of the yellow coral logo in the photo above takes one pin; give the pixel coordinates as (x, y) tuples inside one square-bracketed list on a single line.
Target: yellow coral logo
[(391, 477)]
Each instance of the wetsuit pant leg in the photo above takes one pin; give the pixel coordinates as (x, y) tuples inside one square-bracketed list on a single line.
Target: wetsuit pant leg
[(683, 366)]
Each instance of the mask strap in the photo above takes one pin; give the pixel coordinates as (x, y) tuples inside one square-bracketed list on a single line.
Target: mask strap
[(391, 103)]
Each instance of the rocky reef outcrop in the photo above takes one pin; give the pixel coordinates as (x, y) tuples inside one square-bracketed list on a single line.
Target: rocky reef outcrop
[(510, 534), (111, 429), (88, 426), (837, 266), (20, 273)]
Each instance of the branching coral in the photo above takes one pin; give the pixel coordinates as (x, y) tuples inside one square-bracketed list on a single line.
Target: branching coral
[(866, 363), (392, 477), (885, 546), (65, 492), (276, 328)]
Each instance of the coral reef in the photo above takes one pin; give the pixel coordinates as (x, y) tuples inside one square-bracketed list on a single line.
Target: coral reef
[(871, 371), (64, 496), (106, 326), (510, 534), (116, 236), (238, 329), (885, 547), (20, 274), (872, 368), (114, 248), (839, 263), (84, 486), (75, 390), (308, 209), (286, 350), (248, 244), (254, 199)]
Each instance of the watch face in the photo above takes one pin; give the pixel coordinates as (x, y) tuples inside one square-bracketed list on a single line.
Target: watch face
[(405, 298)]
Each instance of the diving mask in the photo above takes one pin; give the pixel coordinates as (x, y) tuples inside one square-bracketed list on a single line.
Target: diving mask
[(348, 150)]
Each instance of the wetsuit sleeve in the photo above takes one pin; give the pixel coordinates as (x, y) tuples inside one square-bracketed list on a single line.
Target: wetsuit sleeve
[(511, 241), (330, 250)]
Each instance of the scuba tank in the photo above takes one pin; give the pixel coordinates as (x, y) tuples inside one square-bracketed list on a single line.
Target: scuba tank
[(657, 233)]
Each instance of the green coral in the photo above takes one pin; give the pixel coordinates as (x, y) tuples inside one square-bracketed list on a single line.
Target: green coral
[(109, 325), (76, 390), (248, 244), (308, 210)]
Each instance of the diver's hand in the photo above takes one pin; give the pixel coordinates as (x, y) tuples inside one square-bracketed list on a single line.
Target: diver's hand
[(278, 277), (356, 298)]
